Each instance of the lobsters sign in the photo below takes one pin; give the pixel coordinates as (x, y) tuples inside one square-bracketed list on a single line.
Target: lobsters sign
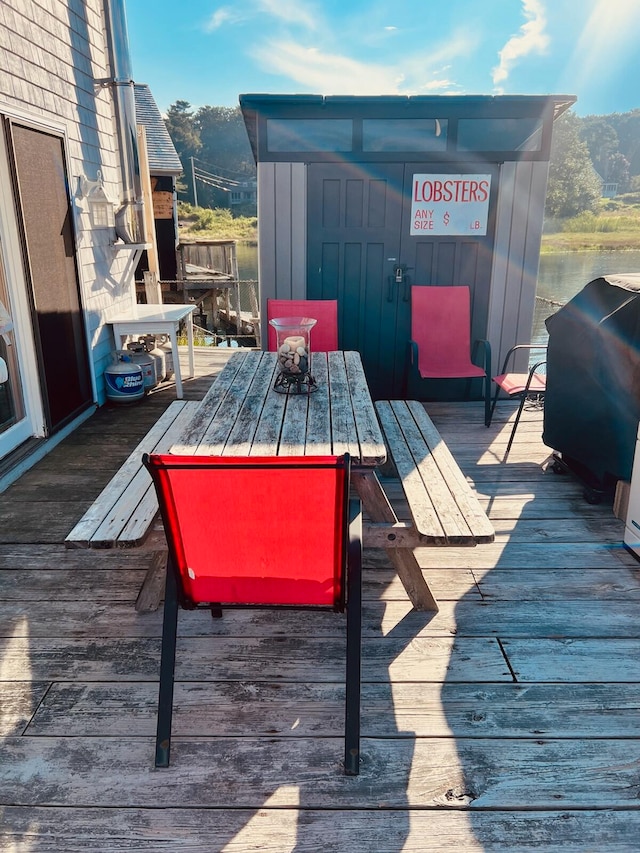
[(450, 204)]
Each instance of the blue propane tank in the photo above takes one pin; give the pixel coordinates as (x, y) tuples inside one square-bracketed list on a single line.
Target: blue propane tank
[(123, 379)]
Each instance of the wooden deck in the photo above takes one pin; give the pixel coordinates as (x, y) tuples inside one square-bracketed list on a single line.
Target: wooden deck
[(508, 721)]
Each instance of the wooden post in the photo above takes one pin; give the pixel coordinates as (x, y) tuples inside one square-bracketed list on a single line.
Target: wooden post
[(152, 288), (147, 194)]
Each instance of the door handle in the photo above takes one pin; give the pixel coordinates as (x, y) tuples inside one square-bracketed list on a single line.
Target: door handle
[(400, 278)]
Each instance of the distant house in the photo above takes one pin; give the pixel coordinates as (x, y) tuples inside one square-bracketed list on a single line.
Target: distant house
[(608, 189), (72, 223), (244, 193)]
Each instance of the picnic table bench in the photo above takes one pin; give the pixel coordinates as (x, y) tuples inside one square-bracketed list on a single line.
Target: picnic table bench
[(444, 510), (124, 511)]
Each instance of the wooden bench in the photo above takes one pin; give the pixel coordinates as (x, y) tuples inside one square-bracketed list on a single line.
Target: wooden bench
[(124, 511), (443, 507)]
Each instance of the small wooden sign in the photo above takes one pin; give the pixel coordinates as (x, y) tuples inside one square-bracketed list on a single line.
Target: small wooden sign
[(163, 205)]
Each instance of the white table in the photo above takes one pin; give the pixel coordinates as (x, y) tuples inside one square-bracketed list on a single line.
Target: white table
[(157, 320)]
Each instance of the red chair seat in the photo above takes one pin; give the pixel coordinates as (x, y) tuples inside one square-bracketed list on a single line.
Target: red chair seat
[(523, 385), (515, 383)]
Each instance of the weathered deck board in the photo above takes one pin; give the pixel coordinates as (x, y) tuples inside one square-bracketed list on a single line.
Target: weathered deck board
[(282, 659), (273, 829), (543, 772), (506, 722), (464, 618), (123, 583), (402, 709)]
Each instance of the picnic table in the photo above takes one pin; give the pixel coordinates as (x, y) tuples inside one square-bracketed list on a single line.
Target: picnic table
[(241, 415)]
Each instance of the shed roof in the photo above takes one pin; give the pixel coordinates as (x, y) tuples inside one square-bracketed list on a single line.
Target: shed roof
[(163, 157), (259, 109)]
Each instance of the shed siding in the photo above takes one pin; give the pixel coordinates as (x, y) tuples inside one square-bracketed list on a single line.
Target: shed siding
[(51, 55), (282, 213), (515, 268)]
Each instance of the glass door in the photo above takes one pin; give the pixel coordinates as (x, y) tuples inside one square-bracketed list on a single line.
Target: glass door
[(14, 426)]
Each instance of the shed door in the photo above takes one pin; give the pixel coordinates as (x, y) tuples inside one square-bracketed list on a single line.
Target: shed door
[(359, 219)]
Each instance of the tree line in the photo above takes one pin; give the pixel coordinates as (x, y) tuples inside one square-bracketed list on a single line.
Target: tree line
[(586, 152), (213, 146)]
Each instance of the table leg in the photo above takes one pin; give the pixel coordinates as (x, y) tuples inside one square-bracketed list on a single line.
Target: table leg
[(377, 505), (189, 324), (176, 361)]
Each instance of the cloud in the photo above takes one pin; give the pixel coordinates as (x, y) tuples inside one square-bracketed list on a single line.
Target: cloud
[(291, 11), (327, 73), (532, 38), (224, 15), (330, 73)]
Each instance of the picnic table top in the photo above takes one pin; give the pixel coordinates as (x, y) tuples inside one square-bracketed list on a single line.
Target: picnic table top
[(242, 415)]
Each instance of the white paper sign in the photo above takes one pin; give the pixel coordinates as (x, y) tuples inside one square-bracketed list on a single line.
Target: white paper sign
[(450, 204)]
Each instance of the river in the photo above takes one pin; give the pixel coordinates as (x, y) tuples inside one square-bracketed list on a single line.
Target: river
[(563, 274)]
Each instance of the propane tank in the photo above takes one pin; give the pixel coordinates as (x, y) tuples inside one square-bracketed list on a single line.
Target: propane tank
[(164, 343), (123, 379), (141, 357), (157, 354)]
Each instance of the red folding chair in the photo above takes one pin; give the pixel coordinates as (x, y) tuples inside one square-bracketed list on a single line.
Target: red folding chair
[(311, 560), (440, 345), (526, 385), (324, 336)]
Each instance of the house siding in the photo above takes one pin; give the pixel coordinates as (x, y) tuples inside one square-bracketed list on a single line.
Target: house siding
[(52, 56)]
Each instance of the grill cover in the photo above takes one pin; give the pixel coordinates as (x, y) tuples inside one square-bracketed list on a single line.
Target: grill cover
[(592, 404)]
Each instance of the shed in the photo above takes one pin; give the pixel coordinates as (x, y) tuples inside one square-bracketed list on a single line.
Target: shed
[(349, 192)]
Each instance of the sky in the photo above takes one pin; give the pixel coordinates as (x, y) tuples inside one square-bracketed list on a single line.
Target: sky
[(208, 53)]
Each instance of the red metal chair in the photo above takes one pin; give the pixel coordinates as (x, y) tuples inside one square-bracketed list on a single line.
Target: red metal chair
[(440, 345), (324, 336), (527, 385), (311, 560)]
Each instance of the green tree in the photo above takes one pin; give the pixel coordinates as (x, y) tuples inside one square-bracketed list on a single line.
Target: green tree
[(628, 129), (602, 142), (225, 157), (185, 135), (573, 184)]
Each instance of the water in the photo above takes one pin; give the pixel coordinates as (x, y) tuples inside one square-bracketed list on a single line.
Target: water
[(247, 255), (563, 274)]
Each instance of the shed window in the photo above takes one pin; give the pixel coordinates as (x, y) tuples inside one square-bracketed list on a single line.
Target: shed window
[(500, 134), (380, 134), (309, 134)]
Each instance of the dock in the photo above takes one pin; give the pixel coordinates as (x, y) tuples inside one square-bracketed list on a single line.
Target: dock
[(507, 721)]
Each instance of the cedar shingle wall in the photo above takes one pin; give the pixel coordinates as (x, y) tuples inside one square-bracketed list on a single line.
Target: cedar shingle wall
[(52, 52)]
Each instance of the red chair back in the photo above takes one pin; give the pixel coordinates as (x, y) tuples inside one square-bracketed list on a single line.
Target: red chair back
[(255, 530), (441, 326), (324, 335)]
